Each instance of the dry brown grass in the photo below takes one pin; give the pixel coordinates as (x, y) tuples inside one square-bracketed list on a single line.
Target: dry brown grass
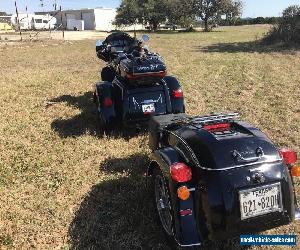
[(63, 187)]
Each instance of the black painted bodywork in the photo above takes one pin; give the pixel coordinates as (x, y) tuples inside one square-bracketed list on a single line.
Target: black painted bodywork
[(133, 77), (218, 176)]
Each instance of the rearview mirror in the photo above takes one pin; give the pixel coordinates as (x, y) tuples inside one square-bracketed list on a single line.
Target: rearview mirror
[(145, 38), (99, 43)]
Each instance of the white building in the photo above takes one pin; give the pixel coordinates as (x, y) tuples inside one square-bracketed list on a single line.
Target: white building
[(88, 19)]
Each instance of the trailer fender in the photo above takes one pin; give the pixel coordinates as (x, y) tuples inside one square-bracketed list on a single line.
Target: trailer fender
[(185, 225)]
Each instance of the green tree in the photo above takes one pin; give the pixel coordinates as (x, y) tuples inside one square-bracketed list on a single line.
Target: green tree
[(181, 12), (211, 10), (291, 12), (152, 12), (129, 13), (288, 28), (232, 10)]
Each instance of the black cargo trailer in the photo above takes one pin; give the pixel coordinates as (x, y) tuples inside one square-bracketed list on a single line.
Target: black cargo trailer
[(216, 177)]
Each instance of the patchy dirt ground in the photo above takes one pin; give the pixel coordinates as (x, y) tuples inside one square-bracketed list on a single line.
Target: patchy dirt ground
[(62, 186)]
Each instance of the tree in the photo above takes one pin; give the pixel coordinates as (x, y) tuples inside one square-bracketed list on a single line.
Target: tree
[(232, 10), (181, 12), (288, 28), (291, 12), (129, 13), (210, 10), (152, 12)]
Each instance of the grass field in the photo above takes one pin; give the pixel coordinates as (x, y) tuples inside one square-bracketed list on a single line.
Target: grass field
[(64, 187)]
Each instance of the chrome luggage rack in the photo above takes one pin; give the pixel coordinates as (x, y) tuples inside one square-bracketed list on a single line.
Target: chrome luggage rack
[(202, 120), (215, 118)]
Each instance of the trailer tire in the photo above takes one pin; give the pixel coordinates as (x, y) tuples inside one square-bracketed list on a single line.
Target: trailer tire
[(163, 204)]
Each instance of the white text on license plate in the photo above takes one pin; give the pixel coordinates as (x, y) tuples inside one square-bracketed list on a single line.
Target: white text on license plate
[(260, 200), (148, 108)]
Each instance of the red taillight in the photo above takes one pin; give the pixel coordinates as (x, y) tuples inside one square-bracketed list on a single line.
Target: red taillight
[(217, 127), (289, 156), (181, 172), (178, 93), (107, 102)]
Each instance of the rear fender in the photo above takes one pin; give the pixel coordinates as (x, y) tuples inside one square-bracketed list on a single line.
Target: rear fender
[(104, 90), (177, 104), (186, 231)]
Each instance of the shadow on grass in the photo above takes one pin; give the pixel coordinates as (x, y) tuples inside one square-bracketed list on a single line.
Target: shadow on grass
[(247, 47), (85, 122), (118, 213)]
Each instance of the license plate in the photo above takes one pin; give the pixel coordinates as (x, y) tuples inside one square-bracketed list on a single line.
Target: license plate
[(260, 200), (148, 108)]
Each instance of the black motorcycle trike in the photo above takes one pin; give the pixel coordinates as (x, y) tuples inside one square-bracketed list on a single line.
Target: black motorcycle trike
[(215, 177), (134, 83)]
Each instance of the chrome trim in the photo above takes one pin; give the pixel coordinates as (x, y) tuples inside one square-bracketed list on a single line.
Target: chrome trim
[(244, 165), (216, 118), (196, 244), (297, 213)]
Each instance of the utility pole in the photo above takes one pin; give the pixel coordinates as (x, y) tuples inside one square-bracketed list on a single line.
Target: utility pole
[(18, 20), (29, 22), (61, 19), (55, 5)]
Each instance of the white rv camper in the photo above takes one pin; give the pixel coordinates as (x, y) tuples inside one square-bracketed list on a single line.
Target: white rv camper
[(34, 22), (44, 22), (25, 21)]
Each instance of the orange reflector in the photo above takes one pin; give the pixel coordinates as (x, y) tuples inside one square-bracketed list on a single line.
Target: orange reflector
[(295, 171), (183, 193)]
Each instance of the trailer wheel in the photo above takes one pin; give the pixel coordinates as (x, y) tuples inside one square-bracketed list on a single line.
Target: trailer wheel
[(107, 74), (163, 203)]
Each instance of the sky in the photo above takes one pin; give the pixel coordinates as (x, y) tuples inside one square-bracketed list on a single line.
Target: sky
[(252, 8)]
